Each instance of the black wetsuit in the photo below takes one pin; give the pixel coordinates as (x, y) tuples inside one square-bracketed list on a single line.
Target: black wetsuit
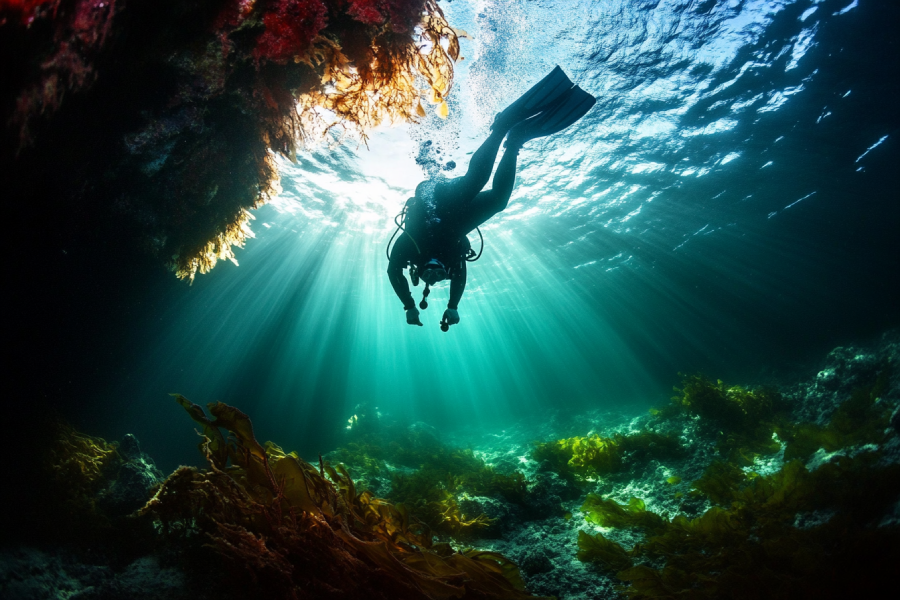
[(451, 254), (437, 222)]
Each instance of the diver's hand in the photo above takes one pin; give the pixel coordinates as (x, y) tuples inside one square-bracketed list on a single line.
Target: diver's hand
[(451, 316), (412, 317)]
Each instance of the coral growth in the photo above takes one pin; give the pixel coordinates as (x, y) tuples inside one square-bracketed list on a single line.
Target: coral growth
[(175, 144), (297, 533)]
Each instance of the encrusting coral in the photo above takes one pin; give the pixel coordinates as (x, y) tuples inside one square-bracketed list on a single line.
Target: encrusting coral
[(170, 113), (305, 531)]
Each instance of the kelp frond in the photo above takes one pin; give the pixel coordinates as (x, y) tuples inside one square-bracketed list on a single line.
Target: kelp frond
[(305, 530)]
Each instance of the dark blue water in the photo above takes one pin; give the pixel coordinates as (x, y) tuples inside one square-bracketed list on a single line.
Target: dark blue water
[(729, 206)]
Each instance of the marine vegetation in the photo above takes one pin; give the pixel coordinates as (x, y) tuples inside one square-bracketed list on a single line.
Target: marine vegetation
[(79, 465), (305, 531), (442, 476), (757, 545), (744, 420), (171, 113), (803, 531), (859, 420), (586, 458)]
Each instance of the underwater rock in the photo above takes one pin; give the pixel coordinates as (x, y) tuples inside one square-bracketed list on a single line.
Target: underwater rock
[(505, 517), (168, 114), (31, 574), (132, 485), (546, 494), (534, 562), (844, 370), (144, 578), (424, 435)]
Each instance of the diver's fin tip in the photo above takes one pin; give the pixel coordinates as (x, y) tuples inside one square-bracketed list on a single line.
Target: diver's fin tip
[(539, 97), (567, 111)]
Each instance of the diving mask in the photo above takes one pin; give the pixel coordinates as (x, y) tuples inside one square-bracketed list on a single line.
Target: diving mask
[(433, 272)]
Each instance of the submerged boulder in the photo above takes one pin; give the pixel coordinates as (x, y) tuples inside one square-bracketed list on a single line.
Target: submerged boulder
[(134, 481)]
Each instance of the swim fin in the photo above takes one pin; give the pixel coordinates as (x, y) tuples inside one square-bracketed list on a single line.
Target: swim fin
[(541, 95), (567, 110)]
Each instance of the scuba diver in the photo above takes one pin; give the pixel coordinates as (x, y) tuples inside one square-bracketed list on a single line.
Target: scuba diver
[(435, 223)]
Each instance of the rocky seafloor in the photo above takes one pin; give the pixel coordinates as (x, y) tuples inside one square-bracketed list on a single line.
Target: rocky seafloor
[(540, 532)]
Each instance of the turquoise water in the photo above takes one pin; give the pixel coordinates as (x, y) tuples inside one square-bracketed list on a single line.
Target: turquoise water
[(726, 207)]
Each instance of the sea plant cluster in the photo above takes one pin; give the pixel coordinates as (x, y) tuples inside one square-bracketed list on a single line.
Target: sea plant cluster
[(806, 530), (306, 531), (78, 465), (168, 114), (427, 477), (585, 458), (690, 501)]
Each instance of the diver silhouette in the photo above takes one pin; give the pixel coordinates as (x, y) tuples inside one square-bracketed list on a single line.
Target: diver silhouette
[(434, 244)]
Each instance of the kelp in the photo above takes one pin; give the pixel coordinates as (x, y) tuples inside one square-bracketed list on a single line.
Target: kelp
[(753, 548), (609, 513), (301, 530), (432, 497), (718, 482), (371, 79), (743, 419), (599, 550), (589, 457), (795, 533), (442, 475)]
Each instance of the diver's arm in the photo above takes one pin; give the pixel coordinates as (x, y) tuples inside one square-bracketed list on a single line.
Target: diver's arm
[(457, 285), (400, 256)]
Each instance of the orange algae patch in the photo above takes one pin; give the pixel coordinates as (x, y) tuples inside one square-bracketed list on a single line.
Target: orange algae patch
[(304, 531), (367, 72), (230, 85)]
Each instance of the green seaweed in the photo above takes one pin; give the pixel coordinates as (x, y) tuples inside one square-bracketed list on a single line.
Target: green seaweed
[(752, 548), (861, 419), (792, 534), (599, 550), (719, 481), (443, 475), (744, 420), (609, 513), (582, 458)]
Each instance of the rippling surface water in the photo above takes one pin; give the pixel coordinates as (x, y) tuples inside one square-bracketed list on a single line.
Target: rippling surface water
[(728, 206)]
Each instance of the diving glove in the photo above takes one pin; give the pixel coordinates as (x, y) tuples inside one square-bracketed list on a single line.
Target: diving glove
[(412, 317), (451, 316)]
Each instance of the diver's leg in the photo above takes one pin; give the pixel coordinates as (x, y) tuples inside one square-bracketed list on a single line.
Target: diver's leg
[(487, 204), (463, 189)]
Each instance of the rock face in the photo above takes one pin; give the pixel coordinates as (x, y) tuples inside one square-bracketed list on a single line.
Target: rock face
[(845, 369), (150, 125), (133, 483)]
